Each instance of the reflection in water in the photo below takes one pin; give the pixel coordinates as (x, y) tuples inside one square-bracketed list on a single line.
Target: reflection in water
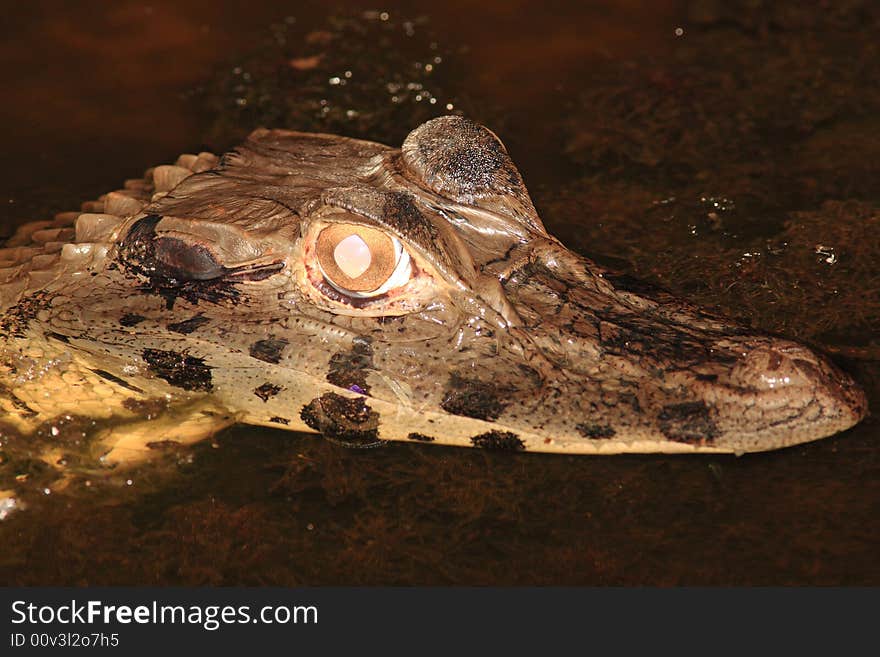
[(621, 164)]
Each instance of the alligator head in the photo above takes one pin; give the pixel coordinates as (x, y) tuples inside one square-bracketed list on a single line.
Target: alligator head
[(319, 283)]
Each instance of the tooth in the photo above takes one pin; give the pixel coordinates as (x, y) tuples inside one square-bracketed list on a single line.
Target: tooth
[(121, 204), (95, 227), (168, 176)]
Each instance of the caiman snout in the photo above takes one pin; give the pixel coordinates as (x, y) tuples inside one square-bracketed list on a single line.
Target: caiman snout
[(642, 370), (798, 394)]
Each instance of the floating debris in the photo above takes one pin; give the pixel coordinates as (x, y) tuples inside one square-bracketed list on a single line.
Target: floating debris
[(826, 254), (7, 506)]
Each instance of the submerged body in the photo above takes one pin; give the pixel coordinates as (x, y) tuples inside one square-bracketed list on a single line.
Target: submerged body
[(318, 283)]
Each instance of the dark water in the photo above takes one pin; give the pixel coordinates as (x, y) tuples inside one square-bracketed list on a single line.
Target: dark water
[(728, 151)]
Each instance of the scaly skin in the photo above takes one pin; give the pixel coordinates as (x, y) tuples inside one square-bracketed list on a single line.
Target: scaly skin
[(195, 291)]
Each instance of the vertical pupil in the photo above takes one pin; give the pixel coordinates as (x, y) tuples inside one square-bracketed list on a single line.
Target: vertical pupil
[(352, 256)]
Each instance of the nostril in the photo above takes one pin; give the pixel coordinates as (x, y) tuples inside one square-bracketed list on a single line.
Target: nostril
[(768, 368), (795, 375), (839, 392)]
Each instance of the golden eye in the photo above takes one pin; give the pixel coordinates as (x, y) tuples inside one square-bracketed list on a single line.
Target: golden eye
[(360, 261)]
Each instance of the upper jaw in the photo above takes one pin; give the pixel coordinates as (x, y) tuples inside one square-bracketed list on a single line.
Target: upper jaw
[(652, 373)]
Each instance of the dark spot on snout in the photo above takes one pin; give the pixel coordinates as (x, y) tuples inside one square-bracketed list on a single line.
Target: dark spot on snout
[(654, 341), (187, 326), (131, 319), (58, 336), (482, 400), (688, 422), (347, 421), (23, 409), (115, 379), (180, 370), (595, 431), (163, 444), (279, 420), (147, 408), (631, 400), (500, 440), (268, 350), (349, 369), (267, 390), (16, 320), (421, 437)]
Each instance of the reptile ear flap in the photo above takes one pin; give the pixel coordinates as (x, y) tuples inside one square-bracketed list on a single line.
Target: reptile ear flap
[(467, 163), (187, 262), (174, 250), (167, 257)]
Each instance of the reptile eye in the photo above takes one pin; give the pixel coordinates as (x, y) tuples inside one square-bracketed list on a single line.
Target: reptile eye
[(360, 261)]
